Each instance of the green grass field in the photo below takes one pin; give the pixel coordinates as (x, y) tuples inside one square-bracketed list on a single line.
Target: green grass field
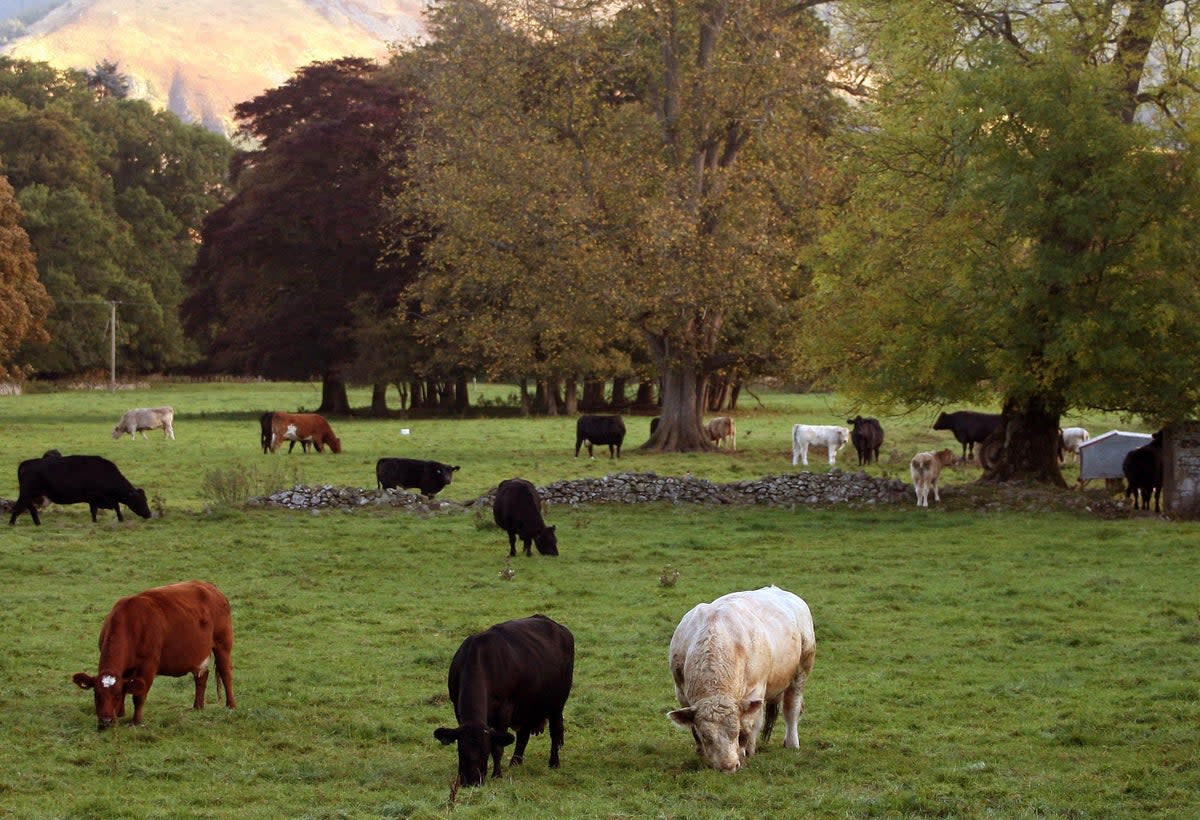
[(969, 664)]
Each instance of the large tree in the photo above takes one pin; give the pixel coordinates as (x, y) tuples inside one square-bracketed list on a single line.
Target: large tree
[(23, 300), (1022, 226), (598, 174), (284, 263)]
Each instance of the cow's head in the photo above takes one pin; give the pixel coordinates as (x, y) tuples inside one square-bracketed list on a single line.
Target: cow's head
[(136, 501), (118, 431), (722, 729), (942, 422), (335, 444), (109, 693), (546, 541), (475, 744)]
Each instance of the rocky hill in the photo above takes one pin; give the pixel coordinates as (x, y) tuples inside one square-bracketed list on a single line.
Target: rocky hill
[(201, 59)]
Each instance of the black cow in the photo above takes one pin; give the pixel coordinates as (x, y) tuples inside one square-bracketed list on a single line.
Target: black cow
[(1143, 469), (516, 674), (969, 427), (430, 477), (601, 430), (265, 421), (517, 510), (90, 480), (867, 437)]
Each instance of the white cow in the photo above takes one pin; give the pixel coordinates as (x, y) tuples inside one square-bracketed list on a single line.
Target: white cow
[(141, 419), (925, 469), (733, 657), (1071, 438), (829, 436), (721, 430)]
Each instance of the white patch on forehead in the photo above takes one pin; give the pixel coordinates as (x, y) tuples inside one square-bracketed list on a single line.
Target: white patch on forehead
[(107, 681)]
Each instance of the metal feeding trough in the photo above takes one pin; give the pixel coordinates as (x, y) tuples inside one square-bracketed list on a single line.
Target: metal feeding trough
[(1101, 457)]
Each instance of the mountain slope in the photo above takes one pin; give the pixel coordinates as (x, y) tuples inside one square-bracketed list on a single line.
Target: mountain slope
[(202, 59)]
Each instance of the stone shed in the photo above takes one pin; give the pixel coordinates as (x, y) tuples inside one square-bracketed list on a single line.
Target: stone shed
[(1181, 469)]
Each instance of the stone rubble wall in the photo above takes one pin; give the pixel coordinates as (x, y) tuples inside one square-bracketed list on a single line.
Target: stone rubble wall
[(835, 487)]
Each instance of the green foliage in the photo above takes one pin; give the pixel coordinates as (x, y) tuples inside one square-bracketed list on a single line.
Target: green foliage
[(113, 194), (1011, 232), (968, 663), (232, 484)]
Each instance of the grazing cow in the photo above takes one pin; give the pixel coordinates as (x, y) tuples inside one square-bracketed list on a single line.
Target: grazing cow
[(721, 430), (303, 427), (517, 509), (141, 419), (430, 477), (733, 657), (601, 430), (969, 427), (90, 480), (867, 437), (1143, 469), (1069, 439), (265, 422), (831, 437), (516, 674), (25, 466), (172, 631), (925, 469)]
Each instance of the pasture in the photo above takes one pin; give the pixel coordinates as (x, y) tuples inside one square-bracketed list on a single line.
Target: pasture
[(968, 663)]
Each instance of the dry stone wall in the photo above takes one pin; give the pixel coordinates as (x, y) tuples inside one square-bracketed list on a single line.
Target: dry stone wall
[(835, 487)]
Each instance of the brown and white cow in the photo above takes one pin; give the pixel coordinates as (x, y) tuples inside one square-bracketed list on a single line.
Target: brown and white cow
[(925, 469), (734, 662), (722, 430), (303, 427), (172, 630), (141, 419)]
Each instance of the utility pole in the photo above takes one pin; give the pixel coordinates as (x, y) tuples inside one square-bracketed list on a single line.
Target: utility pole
[(112, 349)]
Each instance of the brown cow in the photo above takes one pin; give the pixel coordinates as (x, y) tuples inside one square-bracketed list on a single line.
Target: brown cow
[(303, 427), (172, 631)]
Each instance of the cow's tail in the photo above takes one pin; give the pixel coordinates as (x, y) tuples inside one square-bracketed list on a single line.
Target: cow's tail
[(220, 686)]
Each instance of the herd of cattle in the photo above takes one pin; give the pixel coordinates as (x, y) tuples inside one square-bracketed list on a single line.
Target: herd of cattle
[(735, 662), (97, 482)]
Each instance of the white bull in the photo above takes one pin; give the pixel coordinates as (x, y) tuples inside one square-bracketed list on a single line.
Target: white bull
[(141, 419), (733, 657), (829, 436)]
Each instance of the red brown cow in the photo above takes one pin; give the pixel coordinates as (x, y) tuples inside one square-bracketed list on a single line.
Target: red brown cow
[(303, 427), (173, 631)]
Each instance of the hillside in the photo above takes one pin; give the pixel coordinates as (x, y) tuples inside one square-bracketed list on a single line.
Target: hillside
[(201, 59)]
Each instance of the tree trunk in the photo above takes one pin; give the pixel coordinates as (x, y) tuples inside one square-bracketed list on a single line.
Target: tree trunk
[(526, 402), (645, 396), (549, 390), (402, 389), (571, 404), (379, 408), (618, 393), (334, 401), (681, 428), (1025, 446), (593, 395), (462, 396)]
